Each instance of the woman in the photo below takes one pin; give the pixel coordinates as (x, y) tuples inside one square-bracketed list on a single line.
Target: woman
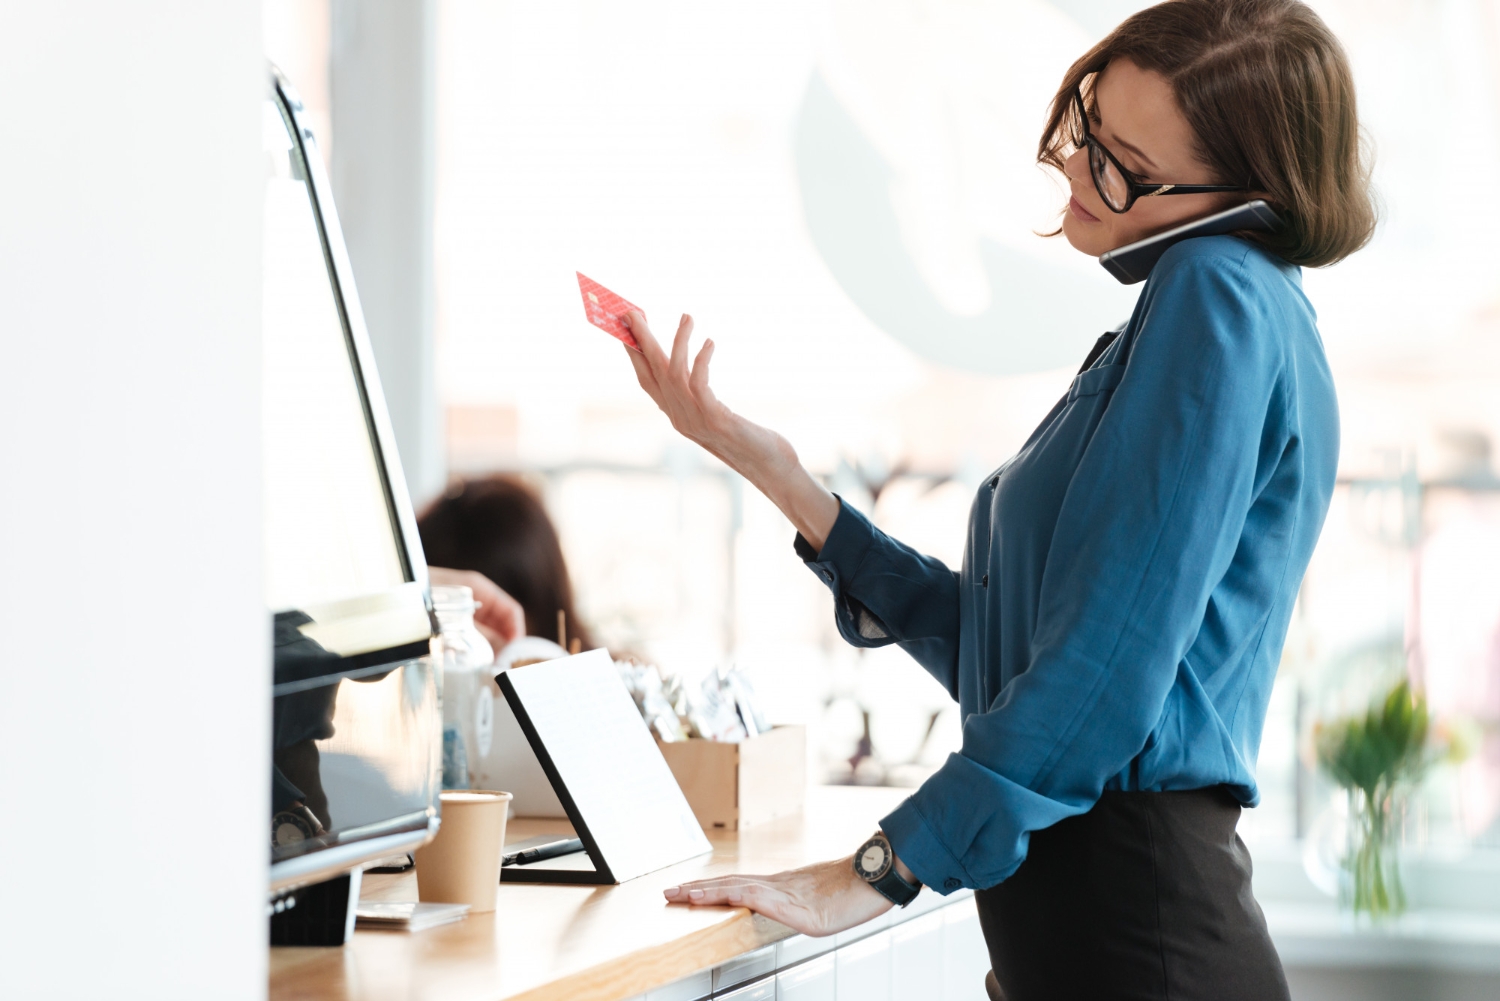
[(493, 535), (1114, 632)]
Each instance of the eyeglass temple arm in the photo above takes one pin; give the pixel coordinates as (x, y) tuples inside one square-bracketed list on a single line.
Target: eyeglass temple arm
[(1193, 189)]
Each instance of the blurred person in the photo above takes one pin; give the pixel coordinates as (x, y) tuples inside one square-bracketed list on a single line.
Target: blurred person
[(496, 529), (1114, 631)]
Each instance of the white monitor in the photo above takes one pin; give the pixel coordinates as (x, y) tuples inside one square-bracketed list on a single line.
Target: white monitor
[(356, 744)]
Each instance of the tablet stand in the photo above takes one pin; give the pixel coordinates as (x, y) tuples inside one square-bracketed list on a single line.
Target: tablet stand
[(613, 783)]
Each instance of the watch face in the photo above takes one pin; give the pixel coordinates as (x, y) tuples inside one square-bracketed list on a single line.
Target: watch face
[(874, 858)]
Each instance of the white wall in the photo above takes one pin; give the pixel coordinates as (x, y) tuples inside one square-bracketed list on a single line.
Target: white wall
[(134, 672)]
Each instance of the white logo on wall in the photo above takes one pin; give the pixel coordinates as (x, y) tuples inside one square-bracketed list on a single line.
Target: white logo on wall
[(915, 147)]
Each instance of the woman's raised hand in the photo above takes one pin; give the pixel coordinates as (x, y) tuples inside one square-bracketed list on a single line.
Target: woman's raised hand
[(760, 455), (682, 392)]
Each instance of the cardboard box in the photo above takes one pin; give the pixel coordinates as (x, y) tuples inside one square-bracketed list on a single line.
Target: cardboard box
[(730, 786)]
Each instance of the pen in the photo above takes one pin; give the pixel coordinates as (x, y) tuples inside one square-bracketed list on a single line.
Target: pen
[(542, 852)]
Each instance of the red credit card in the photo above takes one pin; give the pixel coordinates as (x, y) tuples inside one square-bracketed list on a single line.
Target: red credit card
[(606, 310)]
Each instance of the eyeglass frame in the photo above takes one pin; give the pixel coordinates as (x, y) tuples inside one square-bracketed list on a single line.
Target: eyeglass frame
[(1135, 189)]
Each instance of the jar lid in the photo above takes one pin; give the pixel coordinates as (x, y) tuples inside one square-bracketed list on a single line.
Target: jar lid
[(453, 598)]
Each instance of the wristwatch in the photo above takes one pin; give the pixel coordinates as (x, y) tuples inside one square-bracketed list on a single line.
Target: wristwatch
[(875, 863)]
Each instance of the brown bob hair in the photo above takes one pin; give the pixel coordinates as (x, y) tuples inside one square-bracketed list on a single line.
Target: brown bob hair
[(497, 525), (1267, 90)]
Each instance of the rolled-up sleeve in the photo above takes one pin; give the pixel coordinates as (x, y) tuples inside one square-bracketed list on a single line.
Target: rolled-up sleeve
[(1148, 526), (885, 592)]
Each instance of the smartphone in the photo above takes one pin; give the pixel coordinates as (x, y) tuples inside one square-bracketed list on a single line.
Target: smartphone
[(1134, 261)]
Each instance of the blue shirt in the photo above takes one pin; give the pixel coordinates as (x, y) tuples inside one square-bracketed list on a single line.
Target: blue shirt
[(1128, 575)]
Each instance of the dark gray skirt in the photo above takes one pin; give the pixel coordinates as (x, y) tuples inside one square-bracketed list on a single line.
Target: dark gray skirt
[(1145, 897)]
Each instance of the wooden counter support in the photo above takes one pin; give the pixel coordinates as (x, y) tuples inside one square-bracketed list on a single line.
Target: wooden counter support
[(595, 943)]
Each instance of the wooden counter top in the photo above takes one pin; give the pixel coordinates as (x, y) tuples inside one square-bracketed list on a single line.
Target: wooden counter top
[(578, 942)]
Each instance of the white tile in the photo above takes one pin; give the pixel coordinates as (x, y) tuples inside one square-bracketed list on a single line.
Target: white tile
[(864, 969), (694, 988), (800, 947), (761, 990), (746, 967), (966, 959), (918, 962), (814, 980), (865, 930)]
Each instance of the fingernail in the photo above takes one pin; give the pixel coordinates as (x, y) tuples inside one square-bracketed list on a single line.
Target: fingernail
[(672, 891), (734, 898), (625, 319), (696, 894)]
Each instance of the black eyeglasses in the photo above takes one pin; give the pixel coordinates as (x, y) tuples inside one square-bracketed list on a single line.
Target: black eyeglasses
[(1118, 186)]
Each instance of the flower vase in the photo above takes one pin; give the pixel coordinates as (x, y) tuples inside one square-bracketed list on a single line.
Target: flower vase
[(1370, 881)]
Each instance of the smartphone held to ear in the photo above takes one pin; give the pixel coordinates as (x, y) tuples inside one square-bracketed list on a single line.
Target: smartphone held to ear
[(1134, 261)]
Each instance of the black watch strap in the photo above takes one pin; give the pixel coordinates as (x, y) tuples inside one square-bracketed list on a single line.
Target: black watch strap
[(875, 863)]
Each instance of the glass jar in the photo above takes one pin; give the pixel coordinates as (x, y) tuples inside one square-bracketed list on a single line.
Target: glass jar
[(1370, 886), (468, 703)]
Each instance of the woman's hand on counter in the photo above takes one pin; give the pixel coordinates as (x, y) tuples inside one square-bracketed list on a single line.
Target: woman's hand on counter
[(499, 616), (815, 900), (759, 454)]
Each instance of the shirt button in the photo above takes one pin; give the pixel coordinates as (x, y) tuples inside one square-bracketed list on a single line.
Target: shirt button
[(984, 581), (994, 483), (952, 884), (828, 575)]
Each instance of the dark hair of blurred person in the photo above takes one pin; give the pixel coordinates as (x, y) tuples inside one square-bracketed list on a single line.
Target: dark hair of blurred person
[(498, 526)]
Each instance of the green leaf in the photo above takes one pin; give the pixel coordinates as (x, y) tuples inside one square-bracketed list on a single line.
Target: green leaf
[(1380, 748)]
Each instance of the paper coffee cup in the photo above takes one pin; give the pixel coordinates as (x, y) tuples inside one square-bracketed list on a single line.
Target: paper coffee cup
[(462, 864)]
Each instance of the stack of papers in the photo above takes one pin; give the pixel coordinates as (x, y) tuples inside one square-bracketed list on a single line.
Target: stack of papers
[(407, 915)]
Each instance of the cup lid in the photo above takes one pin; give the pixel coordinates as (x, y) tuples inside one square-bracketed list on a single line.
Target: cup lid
[(473, 796)]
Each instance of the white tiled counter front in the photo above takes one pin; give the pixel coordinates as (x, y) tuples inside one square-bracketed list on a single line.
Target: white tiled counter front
[(932, 950)]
